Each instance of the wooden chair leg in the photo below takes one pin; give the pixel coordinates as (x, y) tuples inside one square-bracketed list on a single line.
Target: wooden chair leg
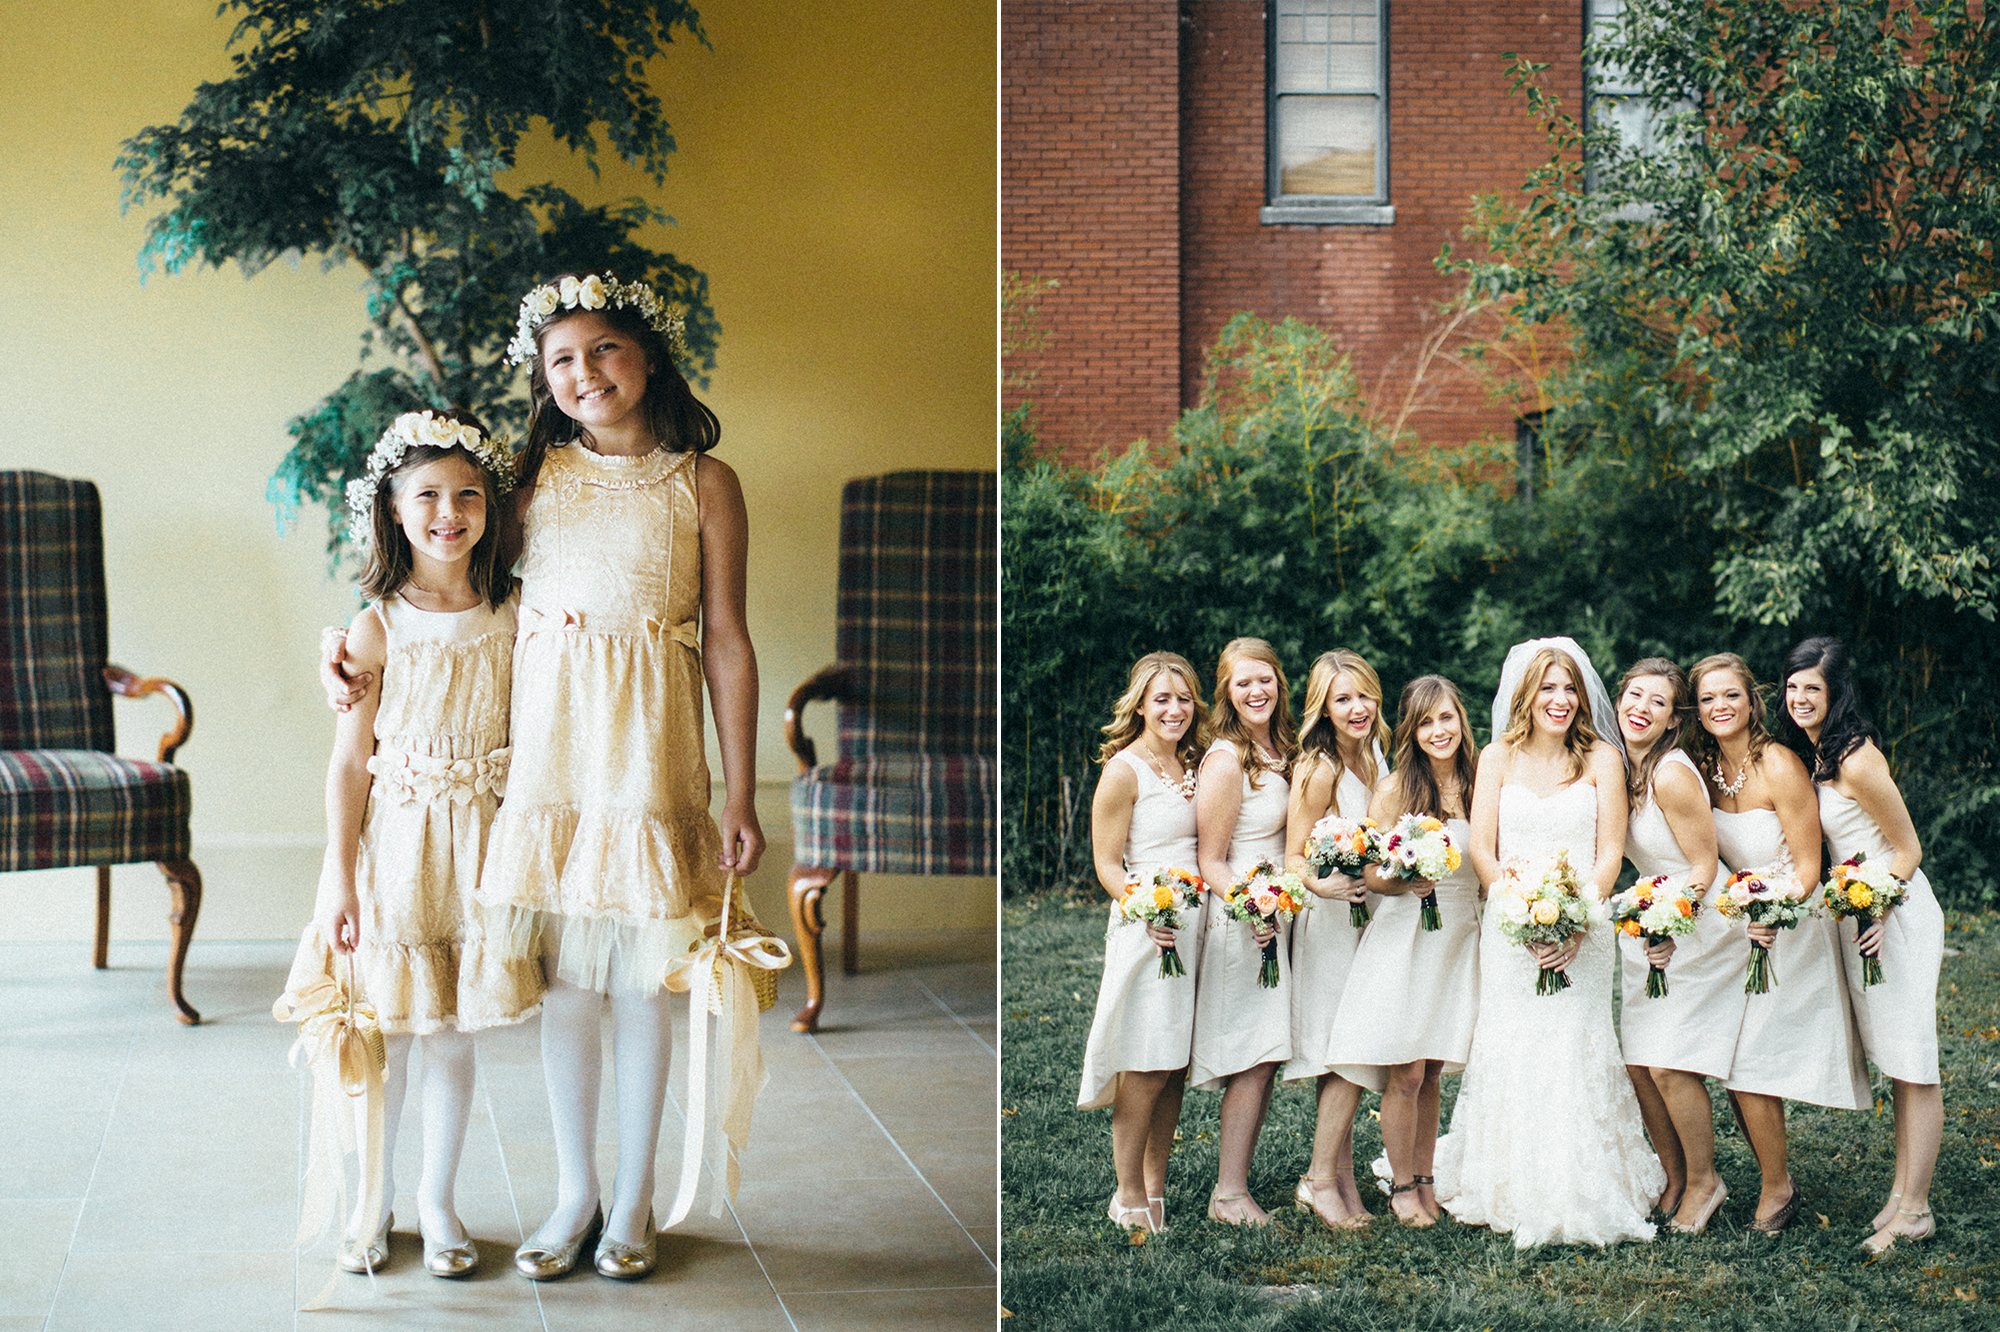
[(185, 881), (101, 957), (850, 922), (808, 888)]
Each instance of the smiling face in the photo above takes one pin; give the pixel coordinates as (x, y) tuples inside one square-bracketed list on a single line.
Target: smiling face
[(1253, 691), (1644, 709), (1555, 703), (441, 507), (1806, 700), (1167, 708), (1440, 733), (1722, 700), (1351, 711), (596, 373)]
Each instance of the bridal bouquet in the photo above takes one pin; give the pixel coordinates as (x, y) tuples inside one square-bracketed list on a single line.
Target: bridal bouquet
[(1656, 911), (1762, 899), (1858, 888), (1347, 845), (1159, 903), (1418, 847), (1543, 902), (1265, 897)]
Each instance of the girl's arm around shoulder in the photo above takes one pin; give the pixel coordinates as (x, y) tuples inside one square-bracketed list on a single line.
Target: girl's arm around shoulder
[(1111, 824), (1797, 804), (728, 660), (1683, 799), (1486, 783), (1218, 800), (1607, 769)]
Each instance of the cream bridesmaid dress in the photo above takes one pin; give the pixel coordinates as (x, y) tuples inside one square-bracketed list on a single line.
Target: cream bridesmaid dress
[(1413, 993), (1239, 1024), (1695, 1025), (1798, 1040), (1324, 942), (1144, 1021), (1897, 1018)]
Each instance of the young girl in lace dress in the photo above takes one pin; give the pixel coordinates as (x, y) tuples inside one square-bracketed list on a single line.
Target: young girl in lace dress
[(417, 769)]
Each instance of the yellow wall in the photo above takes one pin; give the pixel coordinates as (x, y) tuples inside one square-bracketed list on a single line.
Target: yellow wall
[(835, 179)]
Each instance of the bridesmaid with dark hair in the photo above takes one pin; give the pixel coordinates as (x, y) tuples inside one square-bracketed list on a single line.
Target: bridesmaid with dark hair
[(1861, 810)]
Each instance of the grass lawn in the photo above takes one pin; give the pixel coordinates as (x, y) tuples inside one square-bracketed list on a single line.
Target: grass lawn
[(1066, 1267)]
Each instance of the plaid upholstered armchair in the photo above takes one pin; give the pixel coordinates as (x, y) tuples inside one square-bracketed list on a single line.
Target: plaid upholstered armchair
[(911, 788), (65, 798)]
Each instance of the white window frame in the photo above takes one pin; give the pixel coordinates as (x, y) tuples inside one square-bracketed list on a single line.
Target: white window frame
[(1372, 209)]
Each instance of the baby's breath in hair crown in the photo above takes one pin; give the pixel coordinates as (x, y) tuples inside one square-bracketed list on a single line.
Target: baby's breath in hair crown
[(595, 293), (415, 430)]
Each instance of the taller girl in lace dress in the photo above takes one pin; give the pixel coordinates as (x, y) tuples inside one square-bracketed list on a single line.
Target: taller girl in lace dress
[(1862, 812), (1142, 820), (1545, 1138), (1242, 1031), (1339, 758), (1676, 1041), (1797, 1041)]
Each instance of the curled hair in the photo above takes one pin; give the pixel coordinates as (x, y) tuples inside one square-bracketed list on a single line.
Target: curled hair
[(1416, 790), (390, 562), (679, 421), (1126, 725), (1225, 724), (1520, 710), (1703, 747), (1846, 727), (1680, 701), (1319, 738)]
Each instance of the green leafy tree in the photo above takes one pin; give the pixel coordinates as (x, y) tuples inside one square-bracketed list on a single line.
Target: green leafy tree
[(373, 133)]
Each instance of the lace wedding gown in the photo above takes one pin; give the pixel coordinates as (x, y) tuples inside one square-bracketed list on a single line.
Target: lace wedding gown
[(1546, 1139)]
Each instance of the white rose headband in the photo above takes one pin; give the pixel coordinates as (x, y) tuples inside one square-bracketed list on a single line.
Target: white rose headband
[(415, 430), (596, 293)]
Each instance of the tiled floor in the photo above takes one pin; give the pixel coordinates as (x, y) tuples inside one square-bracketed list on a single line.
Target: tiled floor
[(148, 1171)]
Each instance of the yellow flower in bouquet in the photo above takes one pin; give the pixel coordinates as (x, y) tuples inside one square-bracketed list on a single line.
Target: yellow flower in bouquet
[(1545, 912)]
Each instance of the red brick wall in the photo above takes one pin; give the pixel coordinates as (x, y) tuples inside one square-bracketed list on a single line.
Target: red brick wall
[(1454, 131), (1090, 177)]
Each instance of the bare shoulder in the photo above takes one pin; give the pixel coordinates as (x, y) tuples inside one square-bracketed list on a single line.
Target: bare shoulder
[(1678, 781), (1867, 763), (1493, 761), (1118, 779), (367, 639), (1780, 763), (1219, 758), (1605, 763)]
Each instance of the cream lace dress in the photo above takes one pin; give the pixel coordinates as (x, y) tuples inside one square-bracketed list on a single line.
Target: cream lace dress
[(603, 861), (439, 768)]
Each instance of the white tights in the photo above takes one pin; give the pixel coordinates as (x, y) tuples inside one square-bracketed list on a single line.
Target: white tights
[(572, 1062), (447, 1062)]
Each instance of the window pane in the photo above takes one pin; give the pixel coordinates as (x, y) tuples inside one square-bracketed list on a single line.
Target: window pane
[(1632, 118), (1326, 145), (1326, 46)]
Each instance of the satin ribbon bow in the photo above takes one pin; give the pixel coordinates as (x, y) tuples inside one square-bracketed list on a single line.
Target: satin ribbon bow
[(716, 975)]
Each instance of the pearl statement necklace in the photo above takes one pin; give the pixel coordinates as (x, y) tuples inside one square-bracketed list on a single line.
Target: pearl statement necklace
[(1185, 786), (1725, 786)]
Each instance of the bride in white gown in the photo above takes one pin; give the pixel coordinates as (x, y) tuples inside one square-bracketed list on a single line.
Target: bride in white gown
[(1546, 1139)]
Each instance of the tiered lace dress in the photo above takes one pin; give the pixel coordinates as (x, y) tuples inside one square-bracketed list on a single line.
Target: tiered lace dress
[(1897, 1018), (1324, 941), (604, 857), (439, 769), (1144, 1021), (1694, 1026), (1239, 1024), (1546, 1139), (1413, 993), (1798, 1039)]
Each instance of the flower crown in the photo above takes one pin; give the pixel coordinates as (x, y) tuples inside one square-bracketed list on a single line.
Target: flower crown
[(596, 293), (417, 430)]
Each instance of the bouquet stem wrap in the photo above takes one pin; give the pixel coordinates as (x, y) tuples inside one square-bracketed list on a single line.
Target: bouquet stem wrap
[(1429, 917), (718, 977), (340, 1040)]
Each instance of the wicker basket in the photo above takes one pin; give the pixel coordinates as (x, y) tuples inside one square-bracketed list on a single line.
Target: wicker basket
[(763, 981)]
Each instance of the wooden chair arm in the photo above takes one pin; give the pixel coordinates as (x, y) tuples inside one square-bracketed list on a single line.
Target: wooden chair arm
[(829, 682), (127, 685)]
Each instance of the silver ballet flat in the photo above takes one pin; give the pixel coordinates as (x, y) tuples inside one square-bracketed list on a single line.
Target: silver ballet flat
[(539, 1264), (366, 1255), (629, 1262), (450, 1260)]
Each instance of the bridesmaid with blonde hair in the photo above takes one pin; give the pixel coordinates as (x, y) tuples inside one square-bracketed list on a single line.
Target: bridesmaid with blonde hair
[(1142, 820), (1242, 1030), (1406, 1015), (1863, 812), (1339, 758), (1674, 1042), (1798, 1040)]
